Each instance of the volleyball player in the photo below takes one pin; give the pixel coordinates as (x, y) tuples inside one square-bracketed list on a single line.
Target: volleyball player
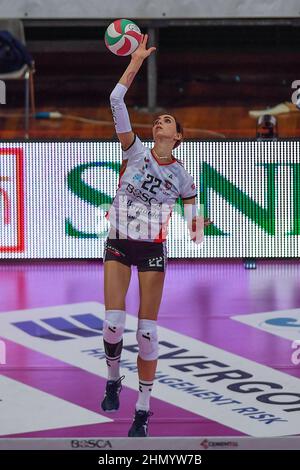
[(150, 183)]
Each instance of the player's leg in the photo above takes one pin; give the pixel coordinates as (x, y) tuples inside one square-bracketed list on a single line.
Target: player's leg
[(151, 288), (116, 282)]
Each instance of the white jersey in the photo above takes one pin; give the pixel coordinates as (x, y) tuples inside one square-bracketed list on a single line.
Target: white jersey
[(148, 190)]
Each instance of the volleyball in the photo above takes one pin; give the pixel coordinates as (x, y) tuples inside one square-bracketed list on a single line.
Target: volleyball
[(122, 37)]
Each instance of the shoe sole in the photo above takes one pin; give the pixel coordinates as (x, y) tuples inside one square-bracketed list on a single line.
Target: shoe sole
[(109, 411)]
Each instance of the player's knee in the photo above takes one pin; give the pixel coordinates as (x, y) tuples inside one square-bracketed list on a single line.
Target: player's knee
[(147, 340), (114, 325)]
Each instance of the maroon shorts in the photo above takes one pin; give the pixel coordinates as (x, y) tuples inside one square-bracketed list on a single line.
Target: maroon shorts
[(147, 256)]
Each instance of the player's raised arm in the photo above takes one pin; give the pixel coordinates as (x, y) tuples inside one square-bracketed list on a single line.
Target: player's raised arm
[(119, 110)]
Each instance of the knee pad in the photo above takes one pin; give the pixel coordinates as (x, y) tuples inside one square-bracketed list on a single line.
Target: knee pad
[(114, 325), (147, 340)]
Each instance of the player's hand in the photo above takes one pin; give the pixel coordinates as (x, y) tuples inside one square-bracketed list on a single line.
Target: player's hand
[(207, 222), (142, 52), (197, 228)]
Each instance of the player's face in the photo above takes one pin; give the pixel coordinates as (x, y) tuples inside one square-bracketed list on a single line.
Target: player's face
[(164, 126)]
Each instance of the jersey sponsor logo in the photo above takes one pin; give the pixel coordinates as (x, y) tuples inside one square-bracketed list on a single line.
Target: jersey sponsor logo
[(137, 209), (136, 192), (136, 219), (145, 166), (114, 251), (168, 184), (137, 177), (198, 377)]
